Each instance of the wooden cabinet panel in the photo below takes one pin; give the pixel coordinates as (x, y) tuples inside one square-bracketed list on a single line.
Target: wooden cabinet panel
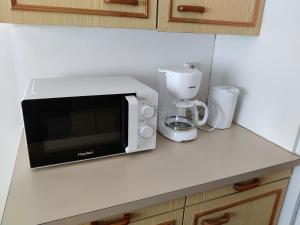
[(154, 210), (157, 209), (227, 190), (202, 16), (211, 16), (170, 218), (259, 206), (106, 13)]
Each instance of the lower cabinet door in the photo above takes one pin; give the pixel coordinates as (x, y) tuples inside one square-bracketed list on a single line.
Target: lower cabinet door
[(259, 206)]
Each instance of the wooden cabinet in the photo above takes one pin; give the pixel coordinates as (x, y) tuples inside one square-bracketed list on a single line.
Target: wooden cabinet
[(105, 13), (170, 218), (211, 16), (141, 214), (196, 16), (256, 201), (229, 189), (259, 206), (153, 211)]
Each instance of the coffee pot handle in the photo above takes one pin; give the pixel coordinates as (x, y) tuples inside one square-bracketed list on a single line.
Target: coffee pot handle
[(200, 123)]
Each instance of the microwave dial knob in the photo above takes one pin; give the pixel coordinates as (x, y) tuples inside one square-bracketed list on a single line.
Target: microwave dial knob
[(147, 111), (146, 131)]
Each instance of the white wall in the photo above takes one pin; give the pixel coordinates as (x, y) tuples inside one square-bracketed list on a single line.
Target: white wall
[(293, 196), (267, 70), (10, 125), (49, 51), (46, 51)]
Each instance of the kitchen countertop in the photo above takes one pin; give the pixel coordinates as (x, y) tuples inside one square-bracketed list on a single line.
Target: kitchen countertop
[(90, 190)]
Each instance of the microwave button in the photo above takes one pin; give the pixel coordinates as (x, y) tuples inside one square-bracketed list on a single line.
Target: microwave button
[(146, 131), (147, 111)]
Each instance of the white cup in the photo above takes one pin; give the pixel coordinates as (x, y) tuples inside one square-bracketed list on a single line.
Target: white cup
[(221, 104)]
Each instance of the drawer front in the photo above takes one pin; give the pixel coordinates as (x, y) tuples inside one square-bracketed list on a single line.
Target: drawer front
[(110, 13), (157, 209), (258, 206), (211, 16), (229, 12), (170, 218), (147, 212), (227, 190)]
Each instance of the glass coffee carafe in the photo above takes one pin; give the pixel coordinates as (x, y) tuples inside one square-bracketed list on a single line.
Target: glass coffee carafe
[(184, 116)]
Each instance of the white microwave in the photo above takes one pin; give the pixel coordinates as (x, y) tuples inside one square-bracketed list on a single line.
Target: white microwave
[(79, 118)]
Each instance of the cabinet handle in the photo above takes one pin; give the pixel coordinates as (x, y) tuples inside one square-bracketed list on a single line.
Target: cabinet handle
[(244, 186), (123, 221), (217, 221), (171, 222), (191, 8), (123, 2)]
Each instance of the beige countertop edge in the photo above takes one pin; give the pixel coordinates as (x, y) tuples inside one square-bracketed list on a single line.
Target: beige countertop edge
[(131, 206)]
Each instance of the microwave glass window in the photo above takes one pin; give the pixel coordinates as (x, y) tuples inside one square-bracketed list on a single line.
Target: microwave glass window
[(64, 129), (85, 127)]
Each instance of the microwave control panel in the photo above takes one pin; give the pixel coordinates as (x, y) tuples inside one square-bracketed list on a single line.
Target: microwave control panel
[(147, 121)]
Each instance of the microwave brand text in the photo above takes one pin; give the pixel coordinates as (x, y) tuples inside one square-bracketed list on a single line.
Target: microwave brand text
[(83, 154)]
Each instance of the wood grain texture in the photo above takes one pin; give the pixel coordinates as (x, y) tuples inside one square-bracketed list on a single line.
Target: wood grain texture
[(157, 209), (231, 12), (227, 17), (229, 189), (147, 212), (170, 218), (174, 218), (171, 222), (258, 206), (80, 13), (91, 7)]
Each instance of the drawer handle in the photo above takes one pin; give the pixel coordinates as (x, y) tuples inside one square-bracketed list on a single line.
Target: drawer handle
[(217, 221), (171, 222), (244, 186), (123, 2), (191, 8), (123, 221)]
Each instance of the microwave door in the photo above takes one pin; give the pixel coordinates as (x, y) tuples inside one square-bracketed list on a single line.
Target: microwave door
[(61, 130)]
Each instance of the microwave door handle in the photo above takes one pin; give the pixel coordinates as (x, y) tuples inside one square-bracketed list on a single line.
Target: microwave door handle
[(133, 110)]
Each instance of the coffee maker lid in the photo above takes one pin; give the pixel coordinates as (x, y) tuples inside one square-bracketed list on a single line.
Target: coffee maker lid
[(179, 70)]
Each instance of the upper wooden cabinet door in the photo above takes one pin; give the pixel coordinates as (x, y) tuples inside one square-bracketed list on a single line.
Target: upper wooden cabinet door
[(211, 16), (106, 13)]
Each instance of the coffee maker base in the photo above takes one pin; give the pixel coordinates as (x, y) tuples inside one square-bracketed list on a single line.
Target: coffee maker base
[(177, 136)]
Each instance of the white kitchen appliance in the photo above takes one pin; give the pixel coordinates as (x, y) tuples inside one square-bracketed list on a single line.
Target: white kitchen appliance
[(178, 115), (79, 118), (221, 104)]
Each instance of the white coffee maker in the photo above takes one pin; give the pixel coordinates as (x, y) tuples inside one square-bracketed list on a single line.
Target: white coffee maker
[(178, 115)]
